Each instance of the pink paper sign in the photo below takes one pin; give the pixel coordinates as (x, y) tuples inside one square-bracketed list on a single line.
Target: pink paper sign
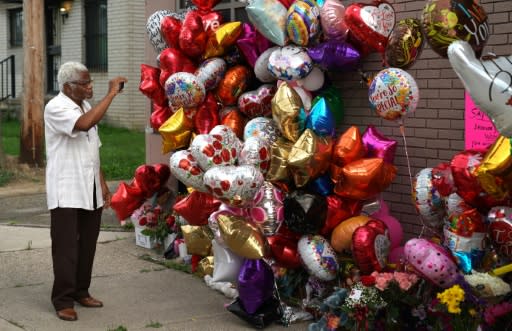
[(480, 132)]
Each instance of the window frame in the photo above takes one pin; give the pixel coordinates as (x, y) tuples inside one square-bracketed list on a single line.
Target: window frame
[(232, 5), (96, 35), (16, 27)]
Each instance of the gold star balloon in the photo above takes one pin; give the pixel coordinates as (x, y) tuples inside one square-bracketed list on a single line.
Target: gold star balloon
[(242, 237), (176, 131), (198, 239), (280, 150), (286, 109), (495, 171), (309, 157)]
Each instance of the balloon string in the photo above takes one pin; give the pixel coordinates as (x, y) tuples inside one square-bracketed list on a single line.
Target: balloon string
[(402, 131)]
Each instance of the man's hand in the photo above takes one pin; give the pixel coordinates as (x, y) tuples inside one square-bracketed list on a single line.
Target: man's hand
[(114, 85)]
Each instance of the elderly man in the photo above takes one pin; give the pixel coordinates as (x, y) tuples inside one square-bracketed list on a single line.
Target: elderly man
[(75, 187)]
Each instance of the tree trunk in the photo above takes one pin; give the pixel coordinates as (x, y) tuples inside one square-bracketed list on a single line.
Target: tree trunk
[(31, 137)]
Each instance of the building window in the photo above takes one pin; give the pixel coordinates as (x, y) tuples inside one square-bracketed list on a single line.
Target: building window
[(230, 10), (96, 51), (16, 27)]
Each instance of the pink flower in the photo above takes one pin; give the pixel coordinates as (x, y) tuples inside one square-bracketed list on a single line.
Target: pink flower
[(382, 279), (405, 280)]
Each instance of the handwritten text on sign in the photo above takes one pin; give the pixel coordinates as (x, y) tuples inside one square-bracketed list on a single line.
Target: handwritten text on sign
[(480, 132)]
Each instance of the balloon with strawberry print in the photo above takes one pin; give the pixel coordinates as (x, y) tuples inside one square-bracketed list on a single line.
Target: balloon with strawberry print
[(234, 185), (227, 136), (209, 151), (256, 151), (186, 169)]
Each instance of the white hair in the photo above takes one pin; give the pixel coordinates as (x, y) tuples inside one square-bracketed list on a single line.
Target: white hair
[(68, 72)]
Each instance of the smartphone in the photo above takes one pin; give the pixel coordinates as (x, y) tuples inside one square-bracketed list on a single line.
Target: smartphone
[(121, 86)]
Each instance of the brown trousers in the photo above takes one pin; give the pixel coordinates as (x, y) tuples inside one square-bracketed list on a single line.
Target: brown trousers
[(74, 233)]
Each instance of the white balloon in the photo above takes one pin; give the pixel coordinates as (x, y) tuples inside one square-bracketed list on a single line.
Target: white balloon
[(488, 81), (261, 66), (314, 81), (318, 257), (226, 265)]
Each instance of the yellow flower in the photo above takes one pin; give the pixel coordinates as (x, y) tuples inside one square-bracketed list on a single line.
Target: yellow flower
[(452, 298)]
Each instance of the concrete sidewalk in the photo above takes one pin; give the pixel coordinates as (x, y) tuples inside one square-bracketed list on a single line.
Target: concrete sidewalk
[(136, 293)]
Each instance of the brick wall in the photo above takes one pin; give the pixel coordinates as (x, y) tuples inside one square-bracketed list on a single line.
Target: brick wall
[(435, 131)]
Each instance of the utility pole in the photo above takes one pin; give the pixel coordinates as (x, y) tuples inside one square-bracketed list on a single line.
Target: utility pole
[(31, 140)]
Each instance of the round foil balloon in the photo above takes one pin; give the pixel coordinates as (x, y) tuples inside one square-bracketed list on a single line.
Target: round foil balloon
[(393, 94), (269, 18), (313, 81), (290, 63), (431, 261), (318, 257), (153, 29), (261, 66), (303, 22), (500, 229), (212, 150), (341, 237), (370, 246), (234, 83), (332, 18), (235, 185), (184, 90), (267, 211), (405, 43), (427, 200), (210, 72), (446, 21), (262, 127)]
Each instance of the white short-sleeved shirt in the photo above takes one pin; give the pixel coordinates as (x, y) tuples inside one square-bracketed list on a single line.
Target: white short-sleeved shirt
[(72, 156)]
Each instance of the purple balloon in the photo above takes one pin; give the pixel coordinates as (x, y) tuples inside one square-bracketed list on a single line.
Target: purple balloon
[(255, 284), (335, 55), (252, 43), (377, 145)]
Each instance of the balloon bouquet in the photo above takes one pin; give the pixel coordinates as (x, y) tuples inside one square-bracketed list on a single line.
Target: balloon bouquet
[(250, 118)]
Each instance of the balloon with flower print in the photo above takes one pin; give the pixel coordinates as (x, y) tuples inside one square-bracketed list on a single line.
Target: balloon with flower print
[(393, 94), (445, 21)]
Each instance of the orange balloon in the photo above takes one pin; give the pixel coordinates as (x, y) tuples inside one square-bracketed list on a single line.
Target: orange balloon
[(364, 178), (341, 237), (349, 147), (233, 119), (234, 83)]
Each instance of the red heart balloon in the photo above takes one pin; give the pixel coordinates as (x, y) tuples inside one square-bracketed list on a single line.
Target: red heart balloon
[(211, 21), (207, 116), (192, 38), (284, 251), (125, 200), (338, 210), (159, 115), (371, 24), (164, 172), (370, 246), (205, 6), (170, 28), (147, 179), (197, 207)]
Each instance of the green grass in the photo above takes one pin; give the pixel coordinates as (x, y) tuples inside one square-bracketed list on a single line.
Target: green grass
[(122, 150)]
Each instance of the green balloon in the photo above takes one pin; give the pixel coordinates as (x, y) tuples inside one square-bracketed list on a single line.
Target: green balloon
[(334, 102)]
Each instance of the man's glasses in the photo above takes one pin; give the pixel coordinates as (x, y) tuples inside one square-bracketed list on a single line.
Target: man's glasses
[(82, 82)]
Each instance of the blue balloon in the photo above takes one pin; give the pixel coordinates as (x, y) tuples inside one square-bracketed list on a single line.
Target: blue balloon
[(321, 120), (323, 185)]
